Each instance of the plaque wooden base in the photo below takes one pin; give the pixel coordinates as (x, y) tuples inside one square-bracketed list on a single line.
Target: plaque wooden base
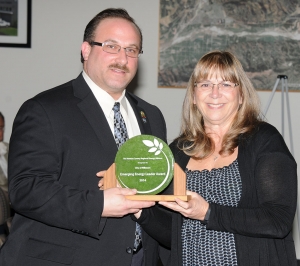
[(179, 180)]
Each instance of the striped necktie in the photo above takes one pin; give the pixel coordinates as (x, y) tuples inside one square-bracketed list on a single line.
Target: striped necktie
[(121, 135)]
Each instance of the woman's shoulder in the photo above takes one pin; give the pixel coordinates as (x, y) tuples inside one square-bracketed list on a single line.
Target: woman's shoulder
[(267, 128), (174, 147), (262, 132), (173, 144), (180, 157), (265, 138)]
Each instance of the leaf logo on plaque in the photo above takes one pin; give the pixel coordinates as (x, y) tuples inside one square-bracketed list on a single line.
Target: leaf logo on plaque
[(145, 163)]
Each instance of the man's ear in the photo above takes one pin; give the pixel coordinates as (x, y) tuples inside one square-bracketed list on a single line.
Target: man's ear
[(85, 50)]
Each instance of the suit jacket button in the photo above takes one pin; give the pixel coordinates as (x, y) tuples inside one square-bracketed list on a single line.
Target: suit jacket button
[(129, 250)]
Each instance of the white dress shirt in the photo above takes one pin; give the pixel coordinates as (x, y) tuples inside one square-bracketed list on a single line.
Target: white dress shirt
[(107, 102)]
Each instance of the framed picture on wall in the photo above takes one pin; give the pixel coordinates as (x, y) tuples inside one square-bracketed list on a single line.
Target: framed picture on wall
[(15, 23), (265, 36)]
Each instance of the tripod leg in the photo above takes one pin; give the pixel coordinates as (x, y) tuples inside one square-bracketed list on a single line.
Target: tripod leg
[(289, 116), (282, 107), (271, 97)]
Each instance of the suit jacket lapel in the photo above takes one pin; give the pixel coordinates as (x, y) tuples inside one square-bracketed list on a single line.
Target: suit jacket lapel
[(140, 115), (95, 116)]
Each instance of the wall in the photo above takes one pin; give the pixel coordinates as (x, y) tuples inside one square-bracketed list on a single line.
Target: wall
[(57, 30)]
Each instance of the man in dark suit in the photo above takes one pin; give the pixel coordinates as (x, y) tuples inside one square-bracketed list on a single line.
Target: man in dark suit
[(61, 138)]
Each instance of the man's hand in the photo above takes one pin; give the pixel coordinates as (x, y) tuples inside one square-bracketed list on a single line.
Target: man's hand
[(116, 205)]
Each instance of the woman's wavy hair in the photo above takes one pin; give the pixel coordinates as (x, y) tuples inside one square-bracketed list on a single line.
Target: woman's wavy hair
[(193, 139)]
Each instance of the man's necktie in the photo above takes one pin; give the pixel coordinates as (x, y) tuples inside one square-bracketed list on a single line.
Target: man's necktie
[(121, 135), (120, 129)]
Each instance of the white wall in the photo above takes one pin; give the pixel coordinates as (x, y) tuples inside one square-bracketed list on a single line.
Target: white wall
[(57, 31)]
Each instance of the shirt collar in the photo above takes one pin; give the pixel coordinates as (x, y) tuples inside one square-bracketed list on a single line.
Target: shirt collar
[(104, 99)]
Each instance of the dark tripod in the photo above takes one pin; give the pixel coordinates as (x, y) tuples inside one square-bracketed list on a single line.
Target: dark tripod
[(284, 88)]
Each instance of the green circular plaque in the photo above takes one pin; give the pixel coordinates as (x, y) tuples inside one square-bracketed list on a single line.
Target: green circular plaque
[(145, 163)]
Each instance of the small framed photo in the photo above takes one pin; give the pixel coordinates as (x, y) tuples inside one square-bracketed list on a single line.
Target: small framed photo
[(15, 23)]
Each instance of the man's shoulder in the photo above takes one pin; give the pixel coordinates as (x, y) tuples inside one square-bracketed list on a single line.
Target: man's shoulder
[(55, 92), (54, 98), (65, 89), (139, 101)]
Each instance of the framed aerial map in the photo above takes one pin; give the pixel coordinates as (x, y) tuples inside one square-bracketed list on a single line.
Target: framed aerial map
[(264, 35)]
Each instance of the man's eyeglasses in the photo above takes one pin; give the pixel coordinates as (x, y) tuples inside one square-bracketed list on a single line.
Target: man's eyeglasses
[(224, 86), (113, 48)]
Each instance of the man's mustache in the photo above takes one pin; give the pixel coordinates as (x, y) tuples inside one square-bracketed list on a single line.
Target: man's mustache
[(121, 67)]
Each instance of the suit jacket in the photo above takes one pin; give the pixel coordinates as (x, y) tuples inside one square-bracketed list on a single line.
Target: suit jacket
[(60, 139)]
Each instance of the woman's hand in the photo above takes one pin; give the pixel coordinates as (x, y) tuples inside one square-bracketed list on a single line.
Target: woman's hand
[(138, 214), (101, 181), (195, 208)]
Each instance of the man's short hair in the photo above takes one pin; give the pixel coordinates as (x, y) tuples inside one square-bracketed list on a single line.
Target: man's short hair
[(90, 29)]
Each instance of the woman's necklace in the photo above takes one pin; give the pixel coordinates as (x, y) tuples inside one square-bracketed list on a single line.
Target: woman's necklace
[(215, 158)]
